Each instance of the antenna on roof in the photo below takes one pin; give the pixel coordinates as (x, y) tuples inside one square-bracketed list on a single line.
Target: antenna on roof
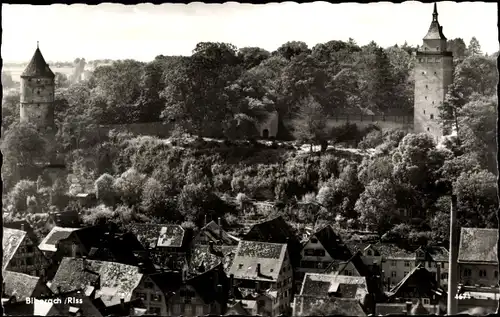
[(37, 43)]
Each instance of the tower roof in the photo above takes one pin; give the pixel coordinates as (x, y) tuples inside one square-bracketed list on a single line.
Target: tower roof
[(37, 67), (435, 30)]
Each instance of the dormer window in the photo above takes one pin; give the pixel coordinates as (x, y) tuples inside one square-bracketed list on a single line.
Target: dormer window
[(314, 240), (369, 252)]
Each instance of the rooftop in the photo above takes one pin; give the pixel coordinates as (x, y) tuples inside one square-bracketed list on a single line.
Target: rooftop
[(116, 280), (19, 285), (49, 243), (478, 246), (332, 243), (37, 67), (161, 235), (333, 307), (201, 256), (344, 286), (270, 256), (11, 240)]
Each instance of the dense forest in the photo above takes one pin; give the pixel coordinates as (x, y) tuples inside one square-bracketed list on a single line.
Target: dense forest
[(399, 189)]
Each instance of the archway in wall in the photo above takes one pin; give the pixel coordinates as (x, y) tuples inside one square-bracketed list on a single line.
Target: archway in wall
[(265, 133)]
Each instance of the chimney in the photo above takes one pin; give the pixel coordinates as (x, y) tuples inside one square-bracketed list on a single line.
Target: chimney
[(122, 302), (205, 220), (408, 307), (438, 273), (257, 286), (258, 269), (220, 230), (22, 226), (259, 307), (453, 267)]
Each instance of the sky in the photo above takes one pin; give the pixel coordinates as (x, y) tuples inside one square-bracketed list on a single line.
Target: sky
[(144, 31)]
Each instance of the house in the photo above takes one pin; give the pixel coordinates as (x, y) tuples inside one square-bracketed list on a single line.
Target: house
[(471, 297), (22, 225), (408, 308), (68, 218), (323, 248), (213, 232), (108, 281), (276, 230), (21, 254), (419, 284), (101, 243), (317, 287), (477, 257), (49, 244), (132, 308), (167, 245), (21, 286), (435, 259), (253, 302), (203, 294), (264, 266), (206, 257)]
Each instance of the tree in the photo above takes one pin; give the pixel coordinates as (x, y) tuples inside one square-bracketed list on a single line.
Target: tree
[(292, 49), (377, 206), (129, 186), (458, 48), (10, 110), (310, 124), (252, 56), (7, 81), (156, 201), (104, 189), (474, 47), (23, 148), (61, 80), (19, 195), (195, 93)]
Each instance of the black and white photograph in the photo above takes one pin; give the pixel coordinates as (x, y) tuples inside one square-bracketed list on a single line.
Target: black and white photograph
[(272, 159)]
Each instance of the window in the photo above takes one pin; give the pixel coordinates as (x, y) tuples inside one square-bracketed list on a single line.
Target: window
[(141, 295), (426, 86), (369, 252), (433, 102), (394, 274), (425, 97), (29, 249), (148, 284), (240, 266), (279, 284), (435, 73), (482, 273), (424, 111), (29, 261), (428, 129), (432, 116), (407, 263), (406, 273), (348, 272), (393, 263), (314, 240), (496, 274), (467, 272), (156, 297), (426, 301), (200, 310), (442, 265), (444, 276)]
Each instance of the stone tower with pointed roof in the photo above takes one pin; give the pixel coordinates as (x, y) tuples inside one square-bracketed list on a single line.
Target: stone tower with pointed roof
[(433, 75), (37, 93)]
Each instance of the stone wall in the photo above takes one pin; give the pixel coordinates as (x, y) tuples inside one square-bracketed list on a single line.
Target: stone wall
[(158, 129), (37, 101)]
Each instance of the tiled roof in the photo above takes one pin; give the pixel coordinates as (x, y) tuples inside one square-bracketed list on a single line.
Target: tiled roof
[(161, 235), (11, 241), (201, 255), (334, 307), (205, 284), (213, 232), (435, 32), (19, 285), (274, 230), (438, 254), (116, 279), (421, 279), (270, 256), (478, 245), (346, 286), (241, 307), (391, 251), (38, 67), (49, 243), (168, 281), (332, 243)]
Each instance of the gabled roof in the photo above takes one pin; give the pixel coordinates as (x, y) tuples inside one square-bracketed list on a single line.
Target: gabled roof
[(19, 285), (274, 230), (332, 243), (340, 285), (202, 256), (159, 235), (206, 283), (478, 246), (335, 307), (49, 243), (422, 280), (37, 67), (22, 225), (11, 241), (116, 280), (215, 233), (392, 251), (241, 307), (249, 254)]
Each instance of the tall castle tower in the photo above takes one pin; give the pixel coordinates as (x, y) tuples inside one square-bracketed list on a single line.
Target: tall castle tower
[(37, 93), (433, 75)]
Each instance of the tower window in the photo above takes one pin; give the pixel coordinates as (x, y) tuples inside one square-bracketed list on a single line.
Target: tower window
[(435, 73), (423, 73), (432, 116), (427, 128), (426, 86), (433, 102), (425, 97), (424, 111)]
